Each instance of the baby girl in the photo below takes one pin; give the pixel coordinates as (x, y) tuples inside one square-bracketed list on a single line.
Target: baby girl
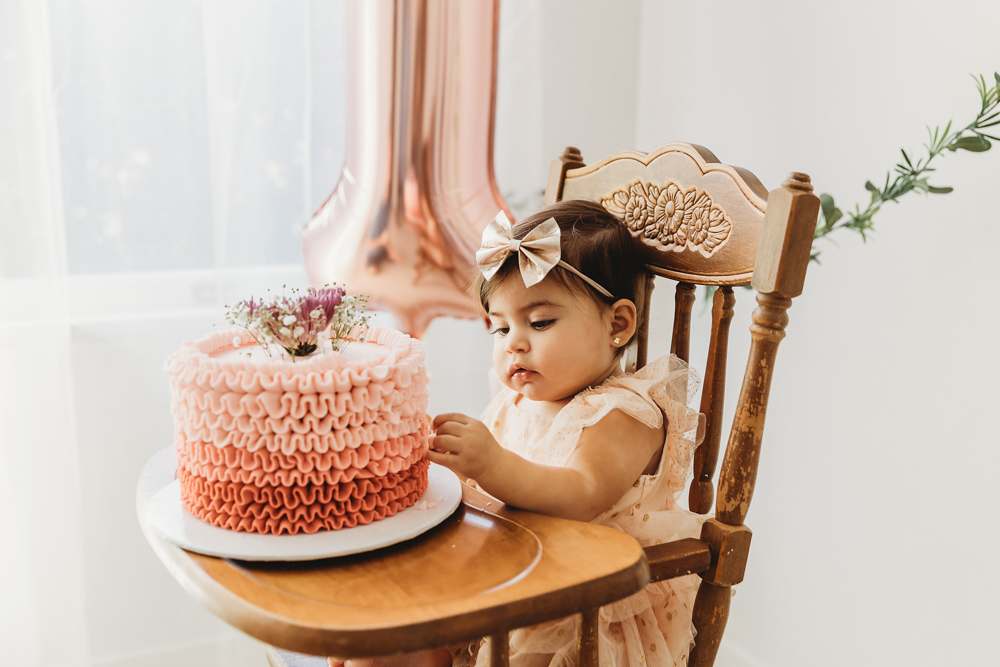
[(570, 434)]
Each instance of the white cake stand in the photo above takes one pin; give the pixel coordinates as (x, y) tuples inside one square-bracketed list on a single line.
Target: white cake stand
[(160, 506)]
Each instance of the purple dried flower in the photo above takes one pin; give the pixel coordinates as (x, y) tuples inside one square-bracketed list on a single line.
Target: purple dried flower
[(295, 322)]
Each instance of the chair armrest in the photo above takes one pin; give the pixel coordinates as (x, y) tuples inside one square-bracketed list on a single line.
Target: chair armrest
[(676, 559)]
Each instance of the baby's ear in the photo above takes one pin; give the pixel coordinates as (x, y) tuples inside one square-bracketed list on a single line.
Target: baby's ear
[(624, 321)]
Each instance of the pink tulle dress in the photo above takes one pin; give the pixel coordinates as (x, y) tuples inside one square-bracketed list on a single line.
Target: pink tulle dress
[(653, 627)]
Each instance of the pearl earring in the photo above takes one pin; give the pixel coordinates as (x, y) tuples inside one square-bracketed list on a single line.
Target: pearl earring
[(617, 340)]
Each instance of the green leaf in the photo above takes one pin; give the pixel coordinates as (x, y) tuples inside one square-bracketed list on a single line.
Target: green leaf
[(996, 75), (831, 214), (939, 191), (826, 203), (971, 144), (906, 157), (870, 187)]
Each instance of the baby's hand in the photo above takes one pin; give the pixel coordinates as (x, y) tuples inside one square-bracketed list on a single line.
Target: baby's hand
[(463, 444)]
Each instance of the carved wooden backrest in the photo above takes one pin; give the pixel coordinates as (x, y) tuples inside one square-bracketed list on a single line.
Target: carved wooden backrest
[(700, 219), (701, 222)]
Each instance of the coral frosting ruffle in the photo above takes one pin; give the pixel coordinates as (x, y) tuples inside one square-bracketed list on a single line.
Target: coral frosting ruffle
[(307, 509)]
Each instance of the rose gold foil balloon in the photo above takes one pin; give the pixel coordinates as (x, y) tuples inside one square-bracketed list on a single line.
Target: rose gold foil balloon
[(417, 189)]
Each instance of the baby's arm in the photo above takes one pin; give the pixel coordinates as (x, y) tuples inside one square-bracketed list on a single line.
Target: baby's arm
[(610, 457)]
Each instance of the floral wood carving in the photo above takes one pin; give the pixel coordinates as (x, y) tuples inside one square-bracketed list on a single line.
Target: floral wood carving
[(670, 217)]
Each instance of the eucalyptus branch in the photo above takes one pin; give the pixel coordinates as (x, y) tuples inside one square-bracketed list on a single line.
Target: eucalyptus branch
[(911, 175)]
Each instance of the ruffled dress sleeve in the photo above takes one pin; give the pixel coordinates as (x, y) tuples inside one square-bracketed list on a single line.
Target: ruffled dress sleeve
[(661, 389)]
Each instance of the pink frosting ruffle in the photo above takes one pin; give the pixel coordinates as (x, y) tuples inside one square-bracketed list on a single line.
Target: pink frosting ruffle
[(284, 510), (365, 403), (348, 438), (401, 364), (264, 468), (201, 409)]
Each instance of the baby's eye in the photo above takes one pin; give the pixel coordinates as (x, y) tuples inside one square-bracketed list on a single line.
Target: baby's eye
[(541, 324), (499, 330)]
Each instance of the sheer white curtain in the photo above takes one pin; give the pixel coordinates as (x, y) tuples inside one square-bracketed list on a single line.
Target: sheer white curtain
[(158, 160)]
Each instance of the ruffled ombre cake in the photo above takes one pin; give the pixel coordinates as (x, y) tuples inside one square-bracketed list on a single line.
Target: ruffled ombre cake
[(330, 441)]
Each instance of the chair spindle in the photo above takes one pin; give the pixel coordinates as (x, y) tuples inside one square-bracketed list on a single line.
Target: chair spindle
[(499, 650), (642, 339), (706, 457), (782, 259), (680, 341), (711, 611), (570, 159), (589, 620)]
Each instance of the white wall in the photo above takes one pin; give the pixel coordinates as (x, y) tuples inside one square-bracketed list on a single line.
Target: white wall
[(874, 539)]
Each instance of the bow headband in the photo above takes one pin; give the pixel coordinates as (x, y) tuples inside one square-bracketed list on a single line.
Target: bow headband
[(537, 253)]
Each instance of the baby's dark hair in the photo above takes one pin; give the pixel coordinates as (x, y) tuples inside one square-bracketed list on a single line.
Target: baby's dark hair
[(593, 241)]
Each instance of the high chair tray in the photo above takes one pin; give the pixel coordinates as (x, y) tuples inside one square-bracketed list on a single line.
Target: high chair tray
[(485, 569)]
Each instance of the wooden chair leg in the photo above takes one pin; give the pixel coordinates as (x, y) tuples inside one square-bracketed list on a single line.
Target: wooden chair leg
[(499, 650), (588, 637), (711, 611)]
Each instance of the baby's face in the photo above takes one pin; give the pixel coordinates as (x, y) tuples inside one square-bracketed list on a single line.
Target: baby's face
[(549, 343)]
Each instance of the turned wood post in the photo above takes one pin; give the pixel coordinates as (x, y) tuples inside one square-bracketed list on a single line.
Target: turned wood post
[(713, 395), (499, 650), (588, 646), (570, 159), (779, 273), (635, 353), (680, 339)]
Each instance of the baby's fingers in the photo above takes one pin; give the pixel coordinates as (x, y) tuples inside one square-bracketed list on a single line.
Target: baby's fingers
[(444, 417), (453, 429), (441, 458), (446, 443)]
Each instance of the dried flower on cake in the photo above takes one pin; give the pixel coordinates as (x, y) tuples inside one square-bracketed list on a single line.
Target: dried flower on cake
[(296, 322)]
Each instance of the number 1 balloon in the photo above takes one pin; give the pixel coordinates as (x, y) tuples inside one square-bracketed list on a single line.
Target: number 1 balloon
[(417, 189)]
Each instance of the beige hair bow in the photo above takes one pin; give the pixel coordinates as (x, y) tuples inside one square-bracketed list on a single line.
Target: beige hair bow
[(537, 253)]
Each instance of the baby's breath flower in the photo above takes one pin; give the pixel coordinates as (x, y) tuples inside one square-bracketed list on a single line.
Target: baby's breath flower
[(349, 317), (295, 322)]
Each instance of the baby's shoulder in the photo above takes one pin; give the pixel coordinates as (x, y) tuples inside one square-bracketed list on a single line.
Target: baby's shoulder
[(598, 403)]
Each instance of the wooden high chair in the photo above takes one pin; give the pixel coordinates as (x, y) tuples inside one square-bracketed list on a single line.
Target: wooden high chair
[(703, 223), (706, 223)]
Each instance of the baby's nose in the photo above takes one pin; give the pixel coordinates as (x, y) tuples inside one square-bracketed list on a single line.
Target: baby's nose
[(516, 342)]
